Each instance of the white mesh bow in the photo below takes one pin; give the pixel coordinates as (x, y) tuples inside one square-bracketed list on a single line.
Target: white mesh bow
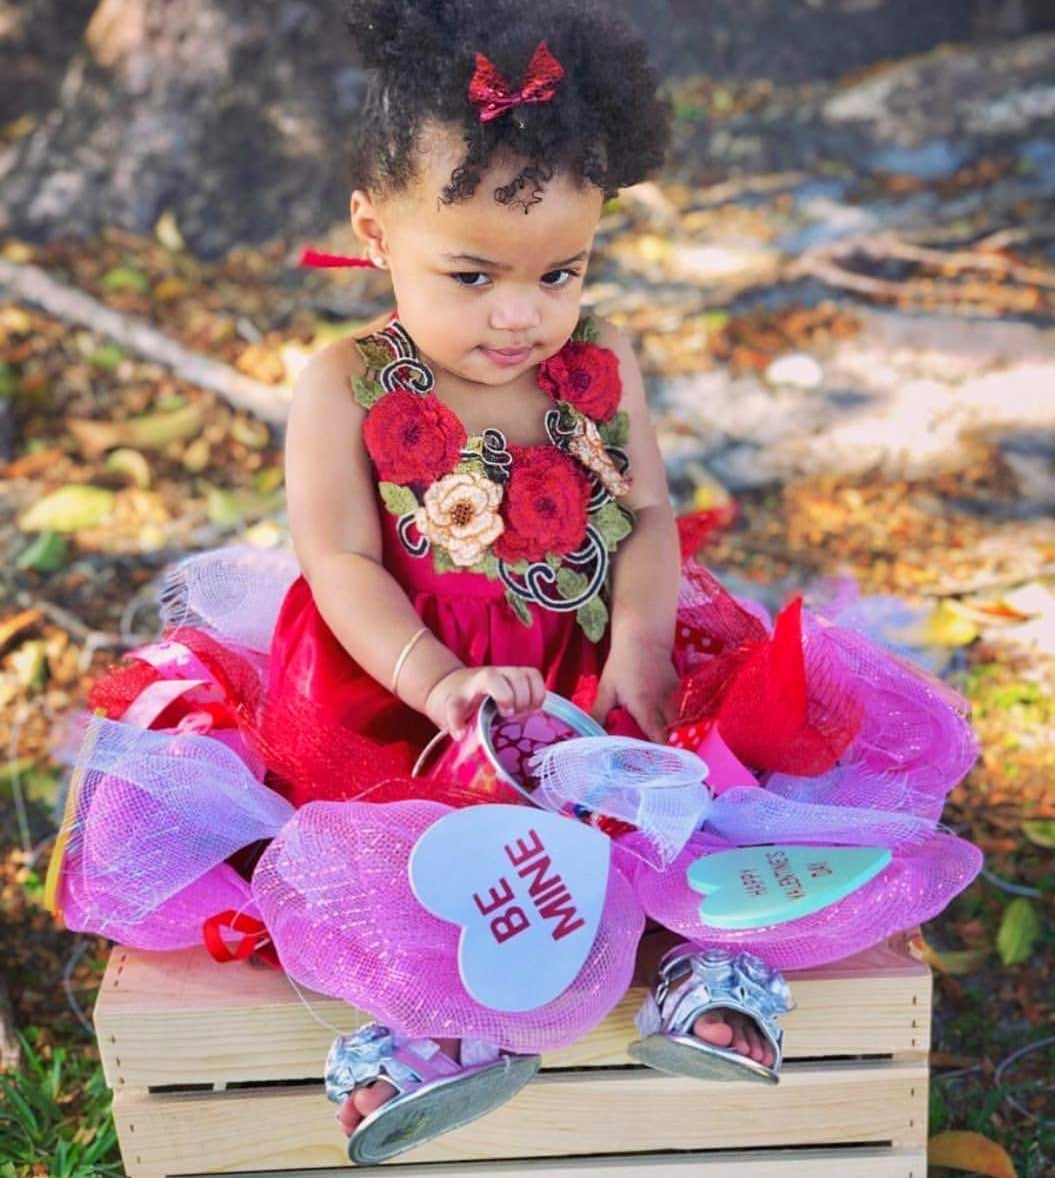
[(659, 790)]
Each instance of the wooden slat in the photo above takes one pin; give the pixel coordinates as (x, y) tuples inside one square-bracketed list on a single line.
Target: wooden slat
[(557, 1115), (805, 1163), (180, 1018)]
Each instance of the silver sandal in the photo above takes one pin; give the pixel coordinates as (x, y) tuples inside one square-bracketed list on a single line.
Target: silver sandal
[(693, 981), (434, 1094)]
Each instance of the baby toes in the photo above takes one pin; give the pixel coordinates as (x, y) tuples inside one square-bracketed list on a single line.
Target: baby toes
[(361, 1103), (714, 1028)]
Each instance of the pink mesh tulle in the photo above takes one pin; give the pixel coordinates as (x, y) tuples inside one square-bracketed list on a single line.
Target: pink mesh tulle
[(233, 592), (333, 891), (157, 814), (914, 744), (929, 868)]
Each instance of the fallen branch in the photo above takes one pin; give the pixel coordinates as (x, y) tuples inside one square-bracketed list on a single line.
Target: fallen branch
[(1002, 285), (32, 285)]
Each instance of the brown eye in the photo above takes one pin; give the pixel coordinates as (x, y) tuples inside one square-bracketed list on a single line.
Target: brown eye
[(558, 278)]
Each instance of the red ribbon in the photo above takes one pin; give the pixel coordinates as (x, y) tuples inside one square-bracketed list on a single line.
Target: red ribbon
[(489, 91), (255, 938), (317, 260), (766, 709)]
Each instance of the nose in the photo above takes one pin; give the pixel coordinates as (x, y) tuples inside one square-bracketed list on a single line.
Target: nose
[(515, 311)]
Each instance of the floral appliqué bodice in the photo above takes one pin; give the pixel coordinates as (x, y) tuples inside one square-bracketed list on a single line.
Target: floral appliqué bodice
[(541, 522)]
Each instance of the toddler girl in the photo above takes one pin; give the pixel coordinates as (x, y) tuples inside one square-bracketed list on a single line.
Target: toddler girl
[(478, 507), (476, 496)]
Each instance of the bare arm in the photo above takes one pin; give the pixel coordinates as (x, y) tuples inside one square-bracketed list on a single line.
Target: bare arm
[(337, 536), (646, 573)]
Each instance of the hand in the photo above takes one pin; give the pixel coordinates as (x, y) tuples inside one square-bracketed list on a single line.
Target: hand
[(452, 702), (640, 677)]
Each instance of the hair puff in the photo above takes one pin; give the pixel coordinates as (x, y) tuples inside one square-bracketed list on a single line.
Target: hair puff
[(605, 125)]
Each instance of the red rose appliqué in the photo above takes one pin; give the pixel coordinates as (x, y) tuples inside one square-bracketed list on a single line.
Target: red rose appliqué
[(411, 438), (545, 506), (586, 376)]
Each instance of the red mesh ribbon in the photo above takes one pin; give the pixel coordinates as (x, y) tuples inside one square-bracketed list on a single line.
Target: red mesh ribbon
[(492, 94), (315, 259), (254, 938), (695, 528), (775, 713)]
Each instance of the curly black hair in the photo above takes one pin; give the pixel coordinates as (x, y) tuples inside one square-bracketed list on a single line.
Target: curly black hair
[(605, 125)]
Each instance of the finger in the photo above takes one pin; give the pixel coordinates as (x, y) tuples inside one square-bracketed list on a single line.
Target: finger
[(457, 716), (656, 727), (500, 690), (538, 689), (525, 682), (604, 702)]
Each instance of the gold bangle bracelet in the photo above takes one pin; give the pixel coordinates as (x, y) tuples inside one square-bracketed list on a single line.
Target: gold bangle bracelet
[(404, 654)]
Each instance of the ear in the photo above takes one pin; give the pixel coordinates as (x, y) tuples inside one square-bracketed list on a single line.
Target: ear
[(368, 227)]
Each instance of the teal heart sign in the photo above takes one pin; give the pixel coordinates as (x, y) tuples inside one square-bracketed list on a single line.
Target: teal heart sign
[(752, 887)]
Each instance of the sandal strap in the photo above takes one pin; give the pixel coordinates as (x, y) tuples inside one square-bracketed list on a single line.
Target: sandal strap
[(374, 1053), (693, 981)]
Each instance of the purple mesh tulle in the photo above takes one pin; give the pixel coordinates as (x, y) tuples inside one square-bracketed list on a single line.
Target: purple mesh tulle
[(333, 891)]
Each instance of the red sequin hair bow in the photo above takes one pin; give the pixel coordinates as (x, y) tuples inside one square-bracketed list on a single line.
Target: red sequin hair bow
[(493, 95)]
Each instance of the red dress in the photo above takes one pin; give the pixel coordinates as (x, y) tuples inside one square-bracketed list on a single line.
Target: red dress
[(504, 551)]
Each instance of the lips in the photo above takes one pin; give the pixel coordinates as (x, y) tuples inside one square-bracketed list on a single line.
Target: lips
[(508, 357)]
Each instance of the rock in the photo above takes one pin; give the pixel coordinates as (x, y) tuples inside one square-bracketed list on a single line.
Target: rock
[(797, 370)]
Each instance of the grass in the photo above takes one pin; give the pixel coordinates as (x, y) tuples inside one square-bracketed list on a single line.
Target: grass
[(55, 1116)]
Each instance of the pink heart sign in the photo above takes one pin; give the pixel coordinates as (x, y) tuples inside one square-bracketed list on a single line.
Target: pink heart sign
[(527, 889)]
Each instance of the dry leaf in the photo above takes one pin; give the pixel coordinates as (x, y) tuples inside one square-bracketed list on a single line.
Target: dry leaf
[(130, 465), (962, 1150), (954, 962), (11, 628), (69, 509), (151, 432), (947, 626)]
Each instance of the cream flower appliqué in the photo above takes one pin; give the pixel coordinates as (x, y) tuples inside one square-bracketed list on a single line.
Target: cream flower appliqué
[(588, 447), (460, 515)]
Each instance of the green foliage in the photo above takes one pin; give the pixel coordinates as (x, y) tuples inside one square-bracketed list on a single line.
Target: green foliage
[(1018, 933), (55, 1112)]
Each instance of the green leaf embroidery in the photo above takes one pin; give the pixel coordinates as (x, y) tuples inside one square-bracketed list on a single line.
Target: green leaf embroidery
[(614, 524), (518, 567), (553, 561), (586, 331), (519, 607), (571, 584), (593, 617), (616, 430), (367, 392), (375, 355), (487, 565), (398, 500), (441, 561)]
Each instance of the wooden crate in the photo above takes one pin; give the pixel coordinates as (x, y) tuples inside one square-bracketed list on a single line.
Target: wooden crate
[(215, 1069)]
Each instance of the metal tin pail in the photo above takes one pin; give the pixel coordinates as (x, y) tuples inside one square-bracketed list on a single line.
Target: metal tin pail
[(492, 758)]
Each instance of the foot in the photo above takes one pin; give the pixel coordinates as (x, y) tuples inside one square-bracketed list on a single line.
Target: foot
[(363, 1101), (731, 1029)]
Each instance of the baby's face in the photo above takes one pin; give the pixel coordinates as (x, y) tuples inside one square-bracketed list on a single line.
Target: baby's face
[(485, 291)]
